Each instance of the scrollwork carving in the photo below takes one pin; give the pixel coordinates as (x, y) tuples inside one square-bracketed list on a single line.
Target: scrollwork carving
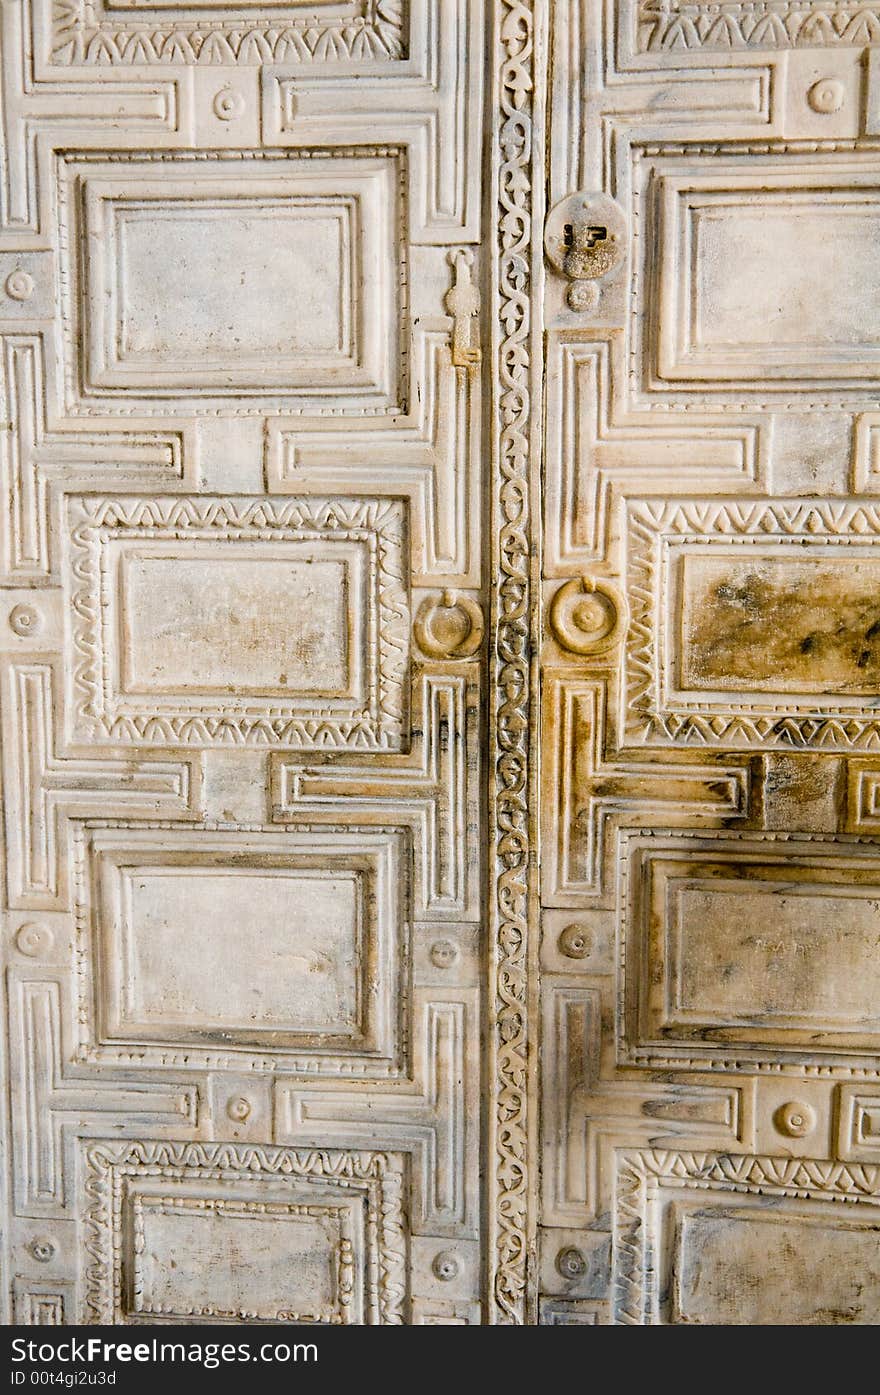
[(516, 65)]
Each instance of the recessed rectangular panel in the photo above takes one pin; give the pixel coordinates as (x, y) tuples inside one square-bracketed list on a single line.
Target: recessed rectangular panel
[(218, 285), (741, 947), (231, 947), (783, 624), (770, 1266), (280, 276), (235, 620), (749, 943), (799, 243), (766, 277), (719, 324), (226, 1231), (228, 1256), (238, 945), (730, 1238)]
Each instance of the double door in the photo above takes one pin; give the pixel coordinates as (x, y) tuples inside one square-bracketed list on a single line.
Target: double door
[(439, 656)]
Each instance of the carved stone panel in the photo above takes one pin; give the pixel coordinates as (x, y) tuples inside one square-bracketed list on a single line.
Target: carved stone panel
[(439, 654), (709, 889), (236, 1220), (242, 674), (750, 1240)]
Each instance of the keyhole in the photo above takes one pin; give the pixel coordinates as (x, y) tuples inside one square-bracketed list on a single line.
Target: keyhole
[(587, 236)]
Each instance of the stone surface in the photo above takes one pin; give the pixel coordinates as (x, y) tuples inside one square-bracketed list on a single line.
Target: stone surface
[(709, 864), (241, 252), (439, 659)]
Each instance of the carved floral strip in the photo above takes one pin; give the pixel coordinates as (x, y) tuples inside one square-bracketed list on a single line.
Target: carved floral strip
[(511, 678)]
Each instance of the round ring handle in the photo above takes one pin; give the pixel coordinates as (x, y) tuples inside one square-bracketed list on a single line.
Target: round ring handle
[(449, 627), (587, 615)]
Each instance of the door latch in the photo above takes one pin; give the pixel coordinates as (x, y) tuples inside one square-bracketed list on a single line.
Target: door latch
[(584, 239)]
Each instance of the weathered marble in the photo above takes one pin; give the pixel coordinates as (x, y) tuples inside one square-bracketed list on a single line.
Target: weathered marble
[(439, 661), (710, 876), (245, 597)]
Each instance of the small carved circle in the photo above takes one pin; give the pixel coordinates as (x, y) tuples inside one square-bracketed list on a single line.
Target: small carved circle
[(575, 941), (33, 940), (24, 620), (826, 96), (795, 1119), (587, 616), (228, 104), (42, 1249), (445, 1266), (583, 295), (591, 615), (571, 1263), (444, 954), (238, 1109), (19, 285), (449, 627)]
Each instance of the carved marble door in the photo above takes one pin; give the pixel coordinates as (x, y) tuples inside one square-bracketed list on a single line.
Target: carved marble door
[(439, 661), (710, 871), (242, 665)]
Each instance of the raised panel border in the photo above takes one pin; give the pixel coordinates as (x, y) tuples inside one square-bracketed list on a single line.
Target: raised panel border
[(386, 1054), (833, 1051), (643, 1177), (87, 179), (759, 720), (97, 715), (820, 164), (379, 1181)]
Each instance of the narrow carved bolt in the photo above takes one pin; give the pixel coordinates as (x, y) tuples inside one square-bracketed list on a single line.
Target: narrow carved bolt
[(463, 304)]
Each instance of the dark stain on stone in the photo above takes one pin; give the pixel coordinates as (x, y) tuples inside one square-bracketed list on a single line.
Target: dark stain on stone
[(811, 626)]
